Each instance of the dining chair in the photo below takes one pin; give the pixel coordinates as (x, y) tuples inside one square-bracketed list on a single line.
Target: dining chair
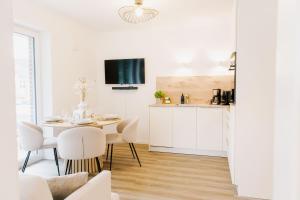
[(32, 139), (81, 143), (126, 133)]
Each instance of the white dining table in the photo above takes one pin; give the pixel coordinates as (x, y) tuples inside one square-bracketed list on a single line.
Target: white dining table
[(87, 165)]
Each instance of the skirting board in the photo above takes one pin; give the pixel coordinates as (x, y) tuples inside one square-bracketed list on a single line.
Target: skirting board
[(248, 198), (188, 151)]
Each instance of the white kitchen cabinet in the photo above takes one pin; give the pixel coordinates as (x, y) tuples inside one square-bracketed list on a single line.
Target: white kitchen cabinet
[(231, 141), (226, 121), (161, 126), (185, 127), (210, 126)]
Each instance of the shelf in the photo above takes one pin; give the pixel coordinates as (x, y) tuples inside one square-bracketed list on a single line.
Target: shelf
[(125, 88)]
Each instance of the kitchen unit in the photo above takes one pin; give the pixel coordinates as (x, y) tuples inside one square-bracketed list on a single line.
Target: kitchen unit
[(198, 129), (188, 128)]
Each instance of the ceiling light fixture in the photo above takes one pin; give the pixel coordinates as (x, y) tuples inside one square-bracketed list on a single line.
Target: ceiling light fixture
[(137, 13)]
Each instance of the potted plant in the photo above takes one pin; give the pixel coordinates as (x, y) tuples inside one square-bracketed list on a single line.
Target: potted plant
[(159, 95)]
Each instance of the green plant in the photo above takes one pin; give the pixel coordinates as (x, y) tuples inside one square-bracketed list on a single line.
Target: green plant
[(159, 94)]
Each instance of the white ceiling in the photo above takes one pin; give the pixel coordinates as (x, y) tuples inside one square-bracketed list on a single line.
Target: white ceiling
[(103, 14)]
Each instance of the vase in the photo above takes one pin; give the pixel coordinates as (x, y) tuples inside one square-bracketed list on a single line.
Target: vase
[(158, 101), (81, 111)]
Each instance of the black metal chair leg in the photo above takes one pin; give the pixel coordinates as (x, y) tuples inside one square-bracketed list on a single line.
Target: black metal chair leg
[(111, 153), (107, 151), (131, 151), (70, 167), (136, 154), (98, 164), (56, 160), (67, 166), (26, 161)]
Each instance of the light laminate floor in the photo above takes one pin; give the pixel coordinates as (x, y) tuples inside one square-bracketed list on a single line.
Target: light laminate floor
[(163, 176)]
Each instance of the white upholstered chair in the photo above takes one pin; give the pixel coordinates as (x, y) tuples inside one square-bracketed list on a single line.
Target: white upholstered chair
[(126, 133), (31, 139), (81, 143), (98, 188)]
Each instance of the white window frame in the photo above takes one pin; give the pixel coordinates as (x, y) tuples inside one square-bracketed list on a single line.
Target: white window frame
[(38, 84), (37, 60)]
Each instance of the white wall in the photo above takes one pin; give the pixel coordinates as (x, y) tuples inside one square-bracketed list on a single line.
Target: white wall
[(287, 129), (67, 53), (8, 143), (69, 50), (256, 60), (182, 50)]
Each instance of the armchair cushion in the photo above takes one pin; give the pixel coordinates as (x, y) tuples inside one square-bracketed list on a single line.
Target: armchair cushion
[(34, 188), (98, 188), (63, 186)]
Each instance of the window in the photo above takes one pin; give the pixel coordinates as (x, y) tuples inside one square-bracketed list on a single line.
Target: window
[(25, 79)]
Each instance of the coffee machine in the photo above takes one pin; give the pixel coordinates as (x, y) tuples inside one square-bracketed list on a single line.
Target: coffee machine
[(225, 98), (232, 96), (216, 99)]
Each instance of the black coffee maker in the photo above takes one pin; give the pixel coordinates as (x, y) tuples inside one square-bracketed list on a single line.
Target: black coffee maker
[(225, 98), (232, 96), (216, 99)]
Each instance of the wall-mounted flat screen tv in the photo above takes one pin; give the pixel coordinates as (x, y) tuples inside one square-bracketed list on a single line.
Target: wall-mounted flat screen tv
[(125, 71)]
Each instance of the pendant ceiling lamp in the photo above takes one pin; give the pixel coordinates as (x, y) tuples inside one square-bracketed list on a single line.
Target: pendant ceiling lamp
[(137, 13)]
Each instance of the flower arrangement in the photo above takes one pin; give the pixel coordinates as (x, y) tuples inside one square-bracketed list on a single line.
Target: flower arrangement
[(81, 88)]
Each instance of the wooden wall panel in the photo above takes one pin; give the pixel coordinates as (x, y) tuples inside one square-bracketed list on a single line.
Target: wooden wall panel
[(199, 88)]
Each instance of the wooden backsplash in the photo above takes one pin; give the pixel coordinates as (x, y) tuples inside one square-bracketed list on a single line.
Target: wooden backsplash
[(199, 88)]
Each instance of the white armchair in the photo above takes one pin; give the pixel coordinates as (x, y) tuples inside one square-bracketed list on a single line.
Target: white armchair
[(31, 139), (98, 188), (80, 144), (127, 133)]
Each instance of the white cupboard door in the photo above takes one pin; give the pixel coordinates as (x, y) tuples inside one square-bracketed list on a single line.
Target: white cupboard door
[(226, 120), (185, 127), (231, 139), (209, 125), (161, 126)]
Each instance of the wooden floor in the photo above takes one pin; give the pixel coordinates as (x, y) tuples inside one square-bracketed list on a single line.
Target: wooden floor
[(165, 176)]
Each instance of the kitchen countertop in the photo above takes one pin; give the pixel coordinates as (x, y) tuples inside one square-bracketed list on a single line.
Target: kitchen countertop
[(189, 105)]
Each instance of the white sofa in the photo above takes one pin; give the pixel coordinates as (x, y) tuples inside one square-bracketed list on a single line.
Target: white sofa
[(98, 188)]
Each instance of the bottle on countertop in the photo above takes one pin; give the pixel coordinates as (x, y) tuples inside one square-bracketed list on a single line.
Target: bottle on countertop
[(186, 99), (182, 99)]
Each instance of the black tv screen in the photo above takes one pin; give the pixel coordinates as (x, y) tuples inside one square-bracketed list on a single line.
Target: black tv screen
[(125, 71)]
